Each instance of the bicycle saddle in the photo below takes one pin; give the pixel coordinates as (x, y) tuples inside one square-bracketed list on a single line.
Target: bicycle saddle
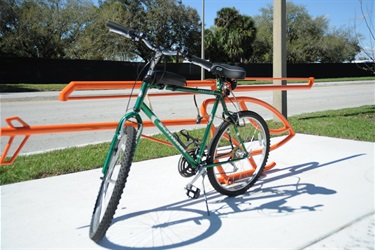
[(228, 71)]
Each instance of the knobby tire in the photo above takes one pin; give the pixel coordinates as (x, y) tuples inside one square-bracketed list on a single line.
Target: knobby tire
[(237, 177), (121, 161)]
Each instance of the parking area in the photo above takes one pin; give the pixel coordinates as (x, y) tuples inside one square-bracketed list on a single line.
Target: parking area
[(319, 195)]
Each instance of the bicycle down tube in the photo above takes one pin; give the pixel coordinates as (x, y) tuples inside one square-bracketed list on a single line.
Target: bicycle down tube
[(141, 106)]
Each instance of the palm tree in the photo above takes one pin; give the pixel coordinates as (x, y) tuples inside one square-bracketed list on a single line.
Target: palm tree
[(232, 37)]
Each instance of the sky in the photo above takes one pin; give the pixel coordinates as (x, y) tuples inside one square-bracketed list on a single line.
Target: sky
[(339, 13)]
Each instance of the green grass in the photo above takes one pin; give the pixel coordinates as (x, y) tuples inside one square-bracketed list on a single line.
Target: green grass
[(344, 79), (28, 87), (352, 123)]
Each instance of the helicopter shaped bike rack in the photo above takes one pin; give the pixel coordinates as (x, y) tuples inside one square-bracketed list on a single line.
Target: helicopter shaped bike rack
[(18, 127)]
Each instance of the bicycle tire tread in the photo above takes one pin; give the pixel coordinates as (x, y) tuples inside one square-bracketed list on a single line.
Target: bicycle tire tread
[(118, 190), (216, 138)]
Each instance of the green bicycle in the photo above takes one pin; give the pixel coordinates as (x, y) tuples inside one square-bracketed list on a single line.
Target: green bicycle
[(233, 159)]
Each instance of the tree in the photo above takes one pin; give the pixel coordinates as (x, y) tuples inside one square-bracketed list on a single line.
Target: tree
[(308, 38), (8, 16), (77, 29), (40, 28), (165, 22), (232, 37), (170, 22), (368, 50), (95, 41), (338, 46), (263, 47)]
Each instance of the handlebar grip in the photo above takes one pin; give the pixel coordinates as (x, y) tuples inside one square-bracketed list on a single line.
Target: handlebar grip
[(117, 27), (203, 63)]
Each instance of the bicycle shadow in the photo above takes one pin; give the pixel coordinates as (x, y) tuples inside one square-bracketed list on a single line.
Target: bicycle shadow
[(180, 224)]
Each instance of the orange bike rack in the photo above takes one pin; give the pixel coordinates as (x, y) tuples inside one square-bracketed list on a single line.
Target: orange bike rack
[(23, 129)]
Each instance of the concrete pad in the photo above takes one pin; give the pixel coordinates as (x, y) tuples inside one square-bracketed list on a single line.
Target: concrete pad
[(320, 188)]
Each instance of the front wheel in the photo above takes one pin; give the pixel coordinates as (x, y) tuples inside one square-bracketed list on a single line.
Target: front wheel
[(113, 184), (238, 173)]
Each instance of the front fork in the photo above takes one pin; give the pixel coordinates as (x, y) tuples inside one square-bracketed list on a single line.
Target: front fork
[(120, 131)]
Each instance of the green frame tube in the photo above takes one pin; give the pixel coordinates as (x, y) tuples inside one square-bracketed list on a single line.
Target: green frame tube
[(141, 106)]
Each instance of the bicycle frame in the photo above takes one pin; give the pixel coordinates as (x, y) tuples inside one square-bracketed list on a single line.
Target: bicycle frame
[(148, 83), (140, 106)]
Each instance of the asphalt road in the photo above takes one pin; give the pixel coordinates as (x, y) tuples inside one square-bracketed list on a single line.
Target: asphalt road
[(45, 109)]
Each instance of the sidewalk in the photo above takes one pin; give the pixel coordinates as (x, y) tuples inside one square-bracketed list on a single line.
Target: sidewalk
[(319, 195)]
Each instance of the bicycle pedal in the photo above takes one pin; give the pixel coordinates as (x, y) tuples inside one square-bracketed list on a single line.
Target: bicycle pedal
[(193, 192)]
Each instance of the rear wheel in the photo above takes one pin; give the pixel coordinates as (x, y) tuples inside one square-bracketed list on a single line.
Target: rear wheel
[(113, 184), (238, 175)]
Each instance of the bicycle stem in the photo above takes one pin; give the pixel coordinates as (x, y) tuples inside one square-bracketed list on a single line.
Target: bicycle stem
[(154, 61)]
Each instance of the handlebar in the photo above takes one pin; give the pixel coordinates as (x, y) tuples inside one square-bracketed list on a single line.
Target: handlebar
[(128, 33), (119, 29), (137, 36), (200, 62)]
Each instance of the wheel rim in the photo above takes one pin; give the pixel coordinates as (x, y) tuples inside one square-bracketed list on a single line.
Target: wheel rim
[(239, 174)]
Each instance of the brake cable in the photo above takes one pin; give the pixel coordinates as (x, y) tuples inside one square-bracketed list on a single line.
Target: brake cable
[(199, 117)]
